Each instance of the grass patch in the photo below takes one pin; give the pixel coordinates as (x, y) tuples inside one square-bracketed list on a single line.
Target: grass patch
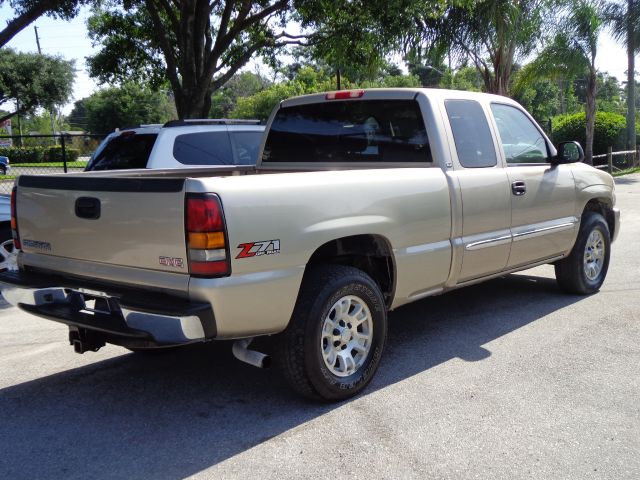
[(51, 164), (627, 171)]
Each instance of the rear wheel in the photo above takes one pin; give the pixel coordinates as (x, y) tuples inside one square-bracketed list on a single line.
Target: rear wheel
[(585, 269), (334, 342), (8, 256)]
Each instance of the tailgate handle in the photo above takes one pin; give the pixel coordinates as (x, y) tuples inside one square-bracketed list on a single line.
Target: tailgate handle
[(88, 207)]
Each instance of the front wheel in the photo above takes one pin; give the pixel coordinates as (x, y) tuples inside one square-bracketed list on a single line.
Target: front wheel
[(585, 269), (333, 344)]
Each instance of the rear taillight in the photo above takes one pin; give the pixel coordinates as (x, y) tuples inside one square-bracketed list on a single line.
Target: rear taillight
[(206, 236), (14, 220)]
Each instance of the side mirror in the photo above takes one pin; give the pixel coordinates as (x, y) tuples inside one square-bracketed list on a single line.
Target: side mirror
[(568, 152)]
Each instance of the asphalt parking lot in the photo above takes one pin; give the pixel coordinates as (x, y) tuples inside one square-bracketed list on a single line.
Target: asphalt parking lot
[(504, 380)]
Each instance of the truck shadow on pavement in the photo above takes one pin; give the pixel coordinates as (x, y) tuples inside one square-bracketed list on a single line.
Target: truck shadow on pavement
[(173, 415)]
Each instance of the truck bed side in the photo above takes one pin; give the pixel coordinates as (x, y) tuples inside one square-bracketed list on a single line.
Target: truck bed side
[(407, 208)]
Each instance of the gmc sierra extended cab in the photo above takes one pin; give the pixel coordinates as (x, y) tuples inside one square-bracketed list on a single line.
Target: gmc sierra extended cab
[(361, 201)]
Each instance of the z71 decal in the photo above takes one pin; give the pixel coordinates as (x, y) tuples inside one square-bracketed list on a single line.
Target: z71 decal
[(256, 249)]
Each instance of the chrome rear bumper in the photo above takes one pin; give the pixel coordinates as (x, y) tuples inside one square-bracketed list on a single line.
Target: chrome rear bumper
[(135, 318)]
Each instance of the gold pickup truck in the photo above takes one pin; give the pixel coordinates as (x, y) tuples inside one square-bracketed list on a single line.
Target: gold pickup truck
[(361, 201)]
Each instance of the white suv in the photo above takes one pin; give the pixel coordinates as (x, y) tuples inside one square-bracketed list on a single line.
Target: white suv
[(180, 143)]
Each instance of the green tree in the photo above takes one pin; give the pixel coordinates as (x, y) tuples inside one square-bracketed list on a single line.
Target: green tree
[(27, 11), (540, 98), (572, 54), (77, 118), (353, 37), (610, 95), (465, 78), (197, 46), (41, 123), (308, 80), (492, 34), (125, 106), (625, 27), (243, 84), (29, 81), (430, 76)]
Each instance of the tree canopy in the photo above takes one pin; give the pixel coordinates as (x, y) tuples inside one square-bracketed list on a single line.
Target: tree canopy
[(29, 81), (492, 34), (354, 37), (118, 107), (27, 11), (624, 22), (572, 53), (196, 46)]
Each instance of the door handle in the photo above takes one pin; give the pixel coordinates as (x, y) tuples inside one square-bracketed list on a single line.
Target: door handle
[(519, 188)]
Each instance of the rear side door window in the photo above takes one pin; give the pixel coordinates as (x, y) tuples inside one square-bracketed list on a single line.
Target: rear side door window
[(521, 140), (473, 139), (203, 148)]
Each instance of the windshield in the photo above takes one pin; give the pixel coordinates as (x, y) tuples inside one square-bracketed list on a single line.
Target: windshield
[(123, 151)]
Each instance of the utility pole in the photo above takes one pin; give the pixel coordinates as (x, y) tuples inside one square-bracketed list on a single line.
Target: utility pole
[(53, 123), (37, 40)]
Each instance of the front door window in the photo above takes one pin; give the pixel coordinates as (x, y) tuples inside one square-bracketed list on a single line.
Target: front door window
[(521, 140)]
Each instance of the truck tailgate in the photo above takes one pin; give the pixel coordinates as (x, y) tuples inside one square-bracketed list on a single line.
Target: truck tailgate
[(134, 222)]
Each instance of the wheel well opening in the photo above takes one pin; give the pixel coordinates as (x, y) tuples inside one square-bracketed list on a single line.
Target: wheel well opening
[(370, 253), (603, 207)]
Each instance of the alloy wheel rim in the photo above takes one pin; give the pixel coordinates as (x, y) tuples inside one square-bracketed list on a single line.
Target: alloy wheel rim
[(594, 254), (8, 256), (347, 334)]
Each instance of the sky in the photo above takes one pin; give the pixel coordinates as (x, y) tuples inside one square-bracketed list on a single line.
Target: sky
[(69, 39)]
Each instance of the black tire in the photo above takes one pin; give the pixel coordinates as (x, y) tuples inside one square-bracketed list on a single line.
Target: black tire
[(3, 170), (300, 352), (571, 273), (5, 232)]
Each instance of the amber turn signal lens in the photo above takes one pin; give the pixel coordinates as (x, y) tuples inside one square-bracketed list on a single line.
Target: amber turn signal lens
[(209, 240)]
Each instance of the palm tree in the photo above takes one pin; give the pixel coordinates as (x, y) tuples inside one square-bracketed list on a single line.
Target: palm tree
[(493, 34), (625, 27), (572, 54)]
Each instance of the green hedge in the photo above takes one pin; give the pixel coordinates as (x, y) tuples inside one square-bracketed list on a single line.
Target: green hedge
[(23, 154), (54, 154), (19, 155), (609, 130)]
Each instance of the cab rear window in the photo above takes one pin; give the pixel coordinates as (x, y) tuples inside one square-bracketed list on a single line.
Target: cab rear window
[(352, 131)]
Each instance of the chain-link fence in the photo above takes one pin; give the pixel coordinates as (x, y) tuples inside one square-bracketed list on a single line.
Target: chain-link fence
[(44, 154)]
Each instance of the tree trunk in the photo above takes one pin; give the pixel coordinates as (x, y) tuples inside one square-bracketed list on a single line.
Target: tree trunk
[(590, 113), (631, 82), (561, 97), (194, 103), (498, 83)]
